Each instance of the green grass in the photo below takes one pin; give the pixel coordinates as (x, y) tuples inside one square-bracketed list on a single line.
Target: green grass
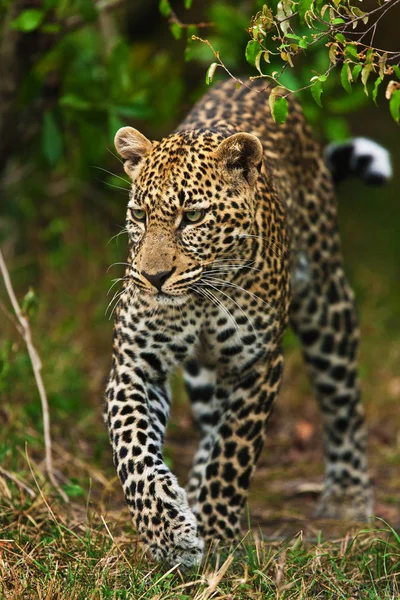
[(48, 550)]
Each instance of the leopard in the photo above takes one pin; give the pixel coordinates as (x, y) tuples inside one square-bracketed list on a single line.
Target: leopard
[(233, 237)]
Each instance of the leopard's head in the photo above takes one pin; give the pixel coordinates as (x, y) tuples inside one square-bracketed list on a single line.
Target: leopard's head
[(192, 203)]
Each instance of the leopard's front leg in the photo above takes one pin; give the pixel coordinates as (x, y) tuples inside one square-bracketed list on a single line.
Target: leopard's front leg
[(137, 407), (236, 444)]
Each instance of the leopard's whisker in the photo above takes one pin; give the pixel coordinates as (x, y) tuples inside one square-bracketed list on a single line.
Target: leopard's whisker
[(234, 285), (118, 263), (264, 238), (112, 185), (231, 259), (124, 230), (115, 281), (230, 268), (115, 156), (238, 305), (275, 246), (210, 296), (120, 298), (117, 295), (114, 175)]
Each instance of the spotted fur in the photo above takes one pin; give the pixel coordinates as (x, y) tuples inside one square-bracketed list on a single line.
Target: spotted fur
[(215, 295)]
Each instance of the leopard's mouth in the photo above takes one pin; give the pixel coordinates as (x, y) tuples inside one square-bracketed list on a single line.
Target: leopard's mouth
[(169, 299)]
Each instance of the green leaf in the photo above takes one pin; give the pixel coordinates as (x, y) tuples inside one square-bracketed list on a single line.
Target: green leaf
[(316, 91), (303, 6), (303, 44), (394, 105), (258, 60), (28, 20), (279, 108), (365, 73), (210, 73), (346, 77), (253, 48), (188, 4), (292, 36), (356, 71), (340, 38), (337, 21), (375, 90), (176, 30), (165, 8), (396, 69), (351, 51), (30, 303), (359, 13), (73, 490), (73, 101), (52, 140)]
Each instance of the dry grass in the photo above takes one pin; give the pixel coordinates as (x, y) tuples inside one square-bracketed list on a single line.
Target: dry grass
[(87, 549), (51, 551)]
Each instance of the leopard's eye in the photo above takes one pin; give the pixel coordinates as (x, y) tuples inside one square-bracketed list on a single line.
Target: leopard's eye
[(193, 216), (139, 214)]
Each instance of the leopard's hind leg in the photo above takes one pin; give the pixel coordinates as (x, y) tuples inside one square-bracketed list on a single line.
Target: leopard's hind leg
[(200, 384), (323, 315)]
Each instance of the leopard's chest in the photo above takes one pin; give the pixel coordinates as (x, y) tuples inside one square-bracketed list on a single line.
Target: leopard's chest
[(236, 336)]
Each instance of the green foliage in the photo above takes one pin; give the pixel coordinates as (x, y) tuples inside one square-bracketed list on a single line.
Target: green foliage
[(210, 73), (279, 105), (316, 46), (73, 489), (30, 304), (331, 30), (395, 105), (165, 8), (28, 20)]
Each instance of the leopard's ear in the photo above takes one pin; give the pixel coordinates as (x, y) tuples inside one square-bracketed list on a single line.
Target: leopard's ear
[(133, 146), (241, 154)]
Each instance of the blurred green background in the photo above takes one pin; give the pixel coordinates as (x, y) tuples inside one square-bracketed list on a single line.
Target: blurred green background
[(70, 75)]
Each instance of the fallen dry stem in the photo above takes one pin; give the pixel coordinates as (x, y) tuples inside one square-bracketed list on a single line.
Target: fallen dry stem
[(17, 481), (25, 331)]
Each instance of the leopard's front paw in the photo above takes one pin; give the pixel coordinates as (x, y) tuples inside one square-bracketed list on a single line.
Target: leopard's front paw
[(184, 548), (168, 527), (351, 504)]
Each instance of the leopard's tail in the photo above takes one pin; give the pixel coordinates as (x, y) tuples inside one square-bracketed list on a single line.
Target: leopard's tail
[(359, 157)]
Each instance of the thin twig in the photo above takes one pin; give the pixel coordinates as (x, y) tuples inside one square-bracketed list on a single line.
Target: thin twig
[(18, 482), (36, 366), (175, 19), (220, 62)]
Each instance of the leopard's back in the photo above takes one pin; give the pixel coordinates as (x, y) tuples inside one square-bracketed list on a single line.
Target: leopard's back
[(293, 161)]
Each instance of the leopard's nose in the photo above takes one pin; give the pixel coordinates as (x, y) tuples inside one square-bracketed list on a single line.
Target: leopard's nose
[(157, 279)]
